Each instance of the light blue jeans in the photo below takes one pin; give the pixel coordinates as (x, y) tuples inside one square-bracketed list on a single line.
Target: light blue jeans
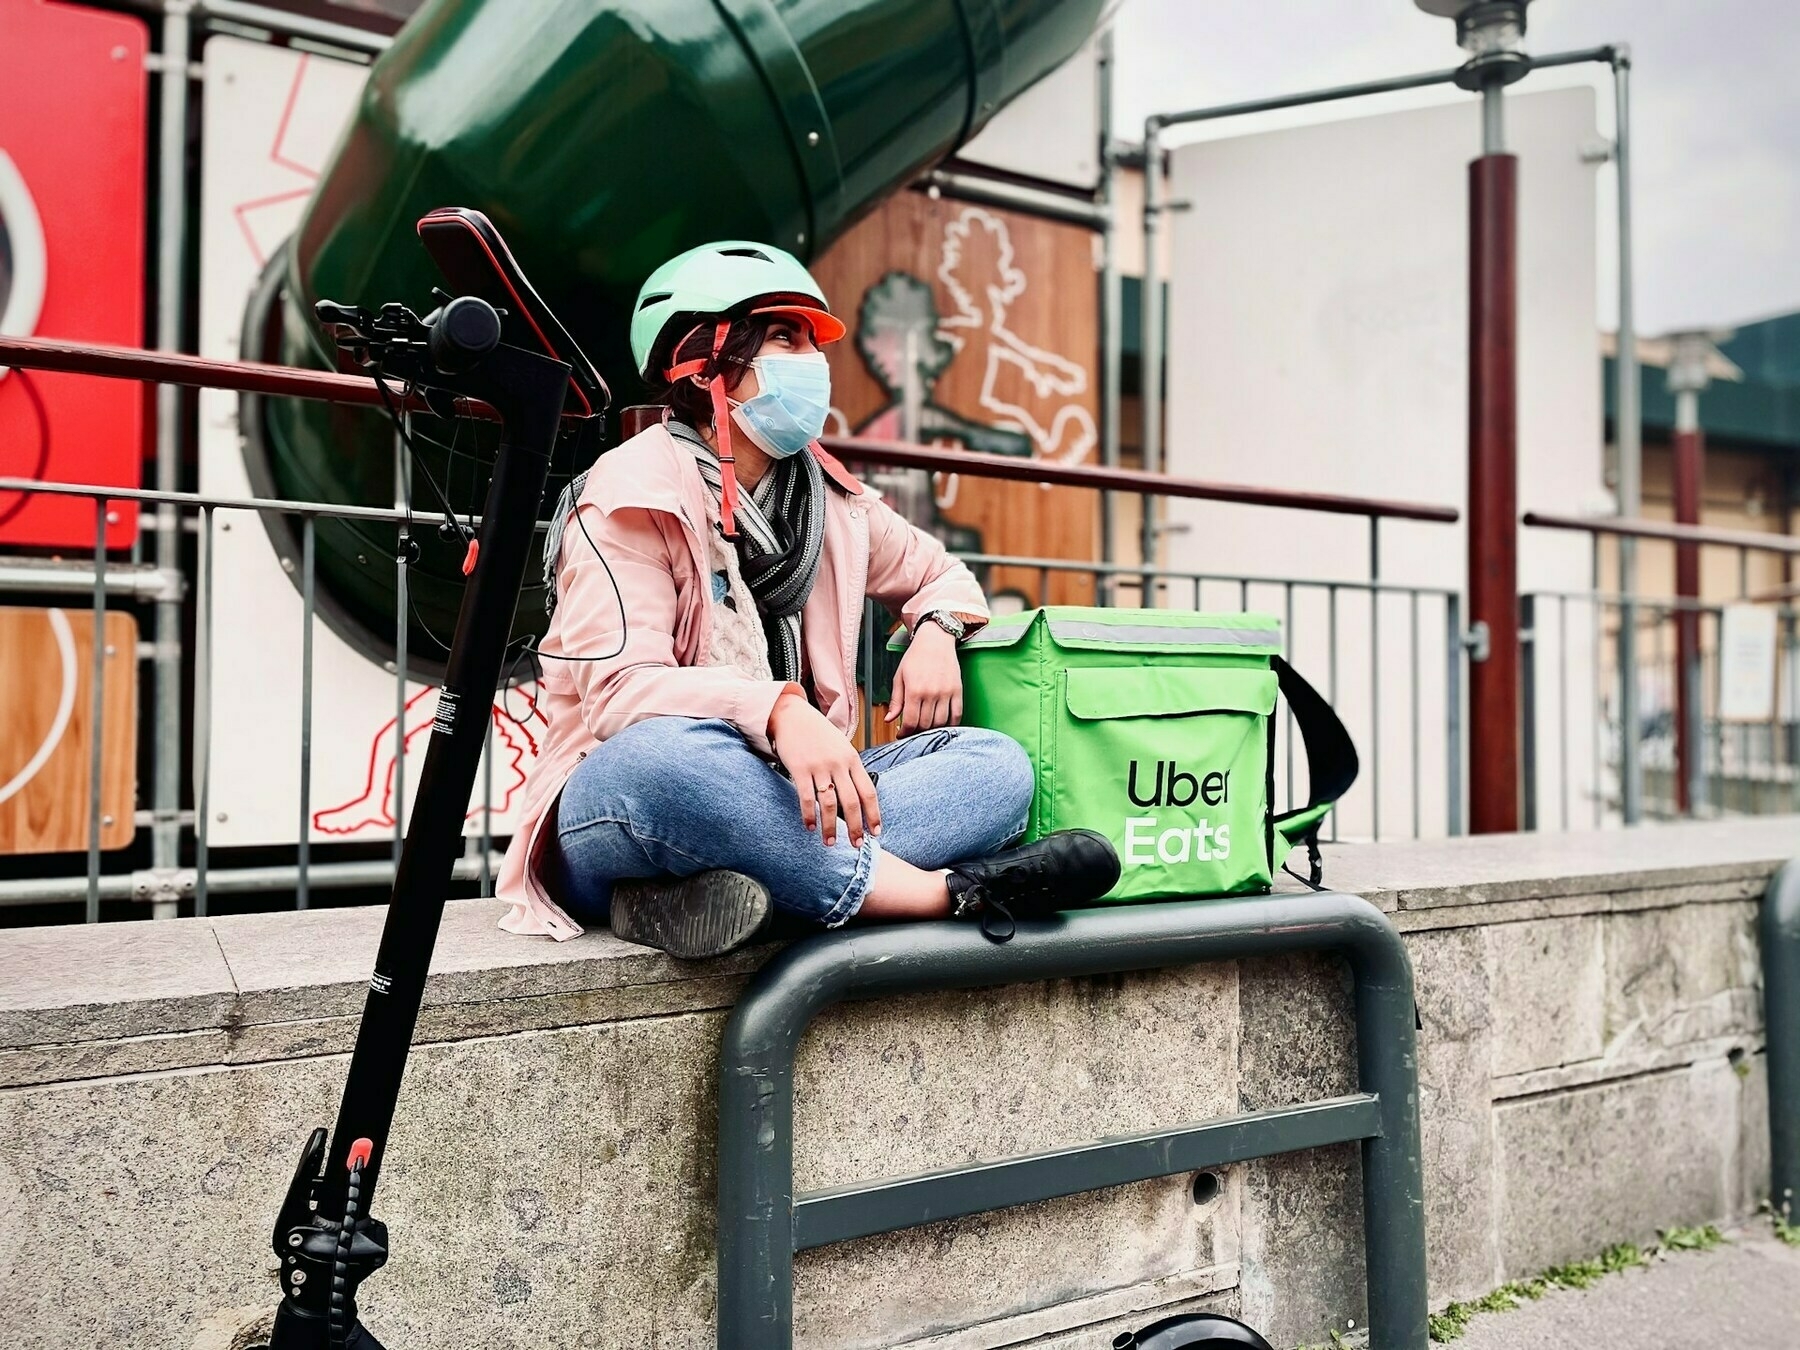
[(672, 795)]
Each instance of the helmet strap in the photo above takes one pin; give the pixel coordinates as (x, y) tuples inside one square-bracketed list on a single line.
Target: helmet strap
[(721, 408)]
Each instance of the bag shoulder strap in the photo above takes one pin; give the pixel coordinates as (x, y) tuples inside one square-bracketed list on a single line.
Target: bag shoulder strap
[(1331, 763)]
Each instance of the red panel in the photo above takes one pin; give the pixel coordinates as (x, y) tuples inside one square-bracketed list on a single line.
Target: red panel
[(73, 112)]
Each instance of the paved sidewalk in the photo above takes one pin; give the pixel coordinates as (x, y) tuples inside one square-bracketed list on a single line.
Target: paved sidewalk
[(1741, 1296)]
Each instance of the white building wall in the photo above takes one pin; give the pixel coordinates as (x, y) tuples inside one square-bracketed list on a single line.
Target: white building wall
[(1318, 339)]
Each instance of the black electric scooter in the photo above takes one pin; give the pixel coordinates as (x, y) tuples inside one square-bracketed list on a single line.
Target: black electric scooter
[(495, 342)]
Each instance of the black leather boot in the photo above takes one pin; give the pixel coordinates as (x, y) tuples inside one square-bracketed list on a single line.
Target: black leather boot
[(1064, 870)]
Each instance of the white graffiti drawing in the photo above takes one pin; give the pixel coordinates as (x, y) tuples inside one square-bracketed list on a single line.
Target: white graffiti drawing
[(1061, 429)]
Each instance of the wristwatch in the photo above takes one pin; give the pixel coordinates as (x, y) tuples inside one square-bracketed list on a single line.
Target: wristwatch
[(947, 621)]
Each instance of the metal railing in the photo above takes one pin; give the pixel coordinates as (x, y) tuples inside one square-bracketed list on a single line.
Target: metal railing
[(1635, 665), (762, 1222), (1312, 611)]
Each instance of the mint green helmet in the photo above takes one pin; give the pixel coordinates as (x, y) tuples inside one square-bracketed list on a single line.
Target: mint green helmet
[(723, 278)]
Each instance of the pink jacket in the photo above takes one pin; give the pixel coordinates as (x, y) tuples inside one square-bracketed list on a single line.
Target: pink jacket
[(645, 506)]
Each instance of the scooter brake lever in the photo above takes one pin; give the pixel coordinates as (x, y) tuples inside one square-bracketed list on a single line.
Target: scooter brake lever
[(297, 1208)]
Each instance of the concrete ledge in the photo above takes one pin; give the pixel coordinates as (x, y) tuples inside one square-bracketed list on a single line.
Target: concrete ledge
[(155, 1080)]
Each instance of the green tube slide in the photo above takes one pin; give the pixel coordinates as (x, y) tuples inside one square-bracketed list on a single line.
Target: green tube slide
[(601, 137)]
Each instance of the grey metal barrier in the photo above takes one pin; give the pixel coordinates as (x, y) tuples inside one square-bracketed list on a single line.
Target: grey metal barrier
[(762, 1223), (1781, 1021)]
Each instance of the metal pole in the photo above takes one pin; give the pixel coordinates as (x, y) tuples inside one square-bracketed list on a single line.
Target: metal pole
[(1780, 933), (308, 567), (203, 681), (968, 187), (171, 297), (1528, 708), (1628, 429), (1111, 320), (1453, 715), (1493, 492), (1374, 677), (1150, 377), (1336, 93), (295, 25), (1688, 378), (1689, 450), (1493, 122), (1331, 94), (96, 713)]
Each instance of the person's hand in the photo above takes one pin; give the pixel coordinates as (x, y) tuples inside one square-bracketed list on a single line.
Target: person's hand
[(827, 771), (928, 685)]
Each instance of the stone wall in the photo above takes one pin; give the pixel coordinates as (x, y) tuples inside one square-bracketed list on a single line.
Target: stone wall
[(1591, 1070)]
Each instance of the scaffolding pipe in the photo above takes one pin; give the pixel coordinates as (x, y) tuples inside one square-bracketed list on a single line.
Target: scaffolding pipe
[(1628, 436), (29, 576), (984, 191), (295, 25), (1112, 330), (1493, 120), (171, 296), (1150, 377)]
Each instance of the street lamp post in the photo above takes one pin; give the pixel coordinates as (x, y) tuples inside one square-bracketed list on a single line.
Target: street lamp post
[(1491, 31), (1690, 372)]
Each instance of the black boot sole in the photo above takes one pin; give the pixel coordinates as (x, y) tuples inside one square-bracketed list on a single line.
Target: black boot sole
[(691, 918)]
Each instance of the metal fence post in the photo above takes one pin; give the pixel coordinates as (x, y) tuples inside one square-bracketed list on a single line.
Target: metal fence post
[(171, 290), (1453, 715), (1528, 709), (1780, 934), (1628, 436)]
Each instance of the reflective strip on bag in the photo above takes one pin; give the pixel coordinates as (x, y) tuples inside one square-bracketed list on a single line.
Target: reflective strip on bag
[(1077, 630)]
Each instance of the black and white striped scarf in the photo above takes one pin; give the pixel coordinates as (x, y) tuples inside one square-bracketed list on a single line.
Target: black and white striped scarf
[(781, 534)]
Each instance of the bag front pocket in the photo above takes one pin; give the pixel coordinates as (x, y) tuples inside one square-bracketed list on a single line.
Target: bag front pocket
[(1171, 764)]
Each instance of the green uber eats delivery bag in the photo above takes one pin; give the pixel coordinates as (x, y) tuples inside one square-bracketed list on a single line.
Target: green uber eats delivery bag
[(1156, 728)]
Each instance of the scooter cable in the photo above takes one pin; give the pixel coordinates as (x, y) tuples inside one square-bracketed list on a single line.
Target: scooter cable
[(335, 1330)]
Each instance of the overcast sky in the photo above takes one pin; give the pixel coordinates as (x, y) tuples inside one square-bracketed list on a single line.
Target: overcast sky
[(1715, 116)]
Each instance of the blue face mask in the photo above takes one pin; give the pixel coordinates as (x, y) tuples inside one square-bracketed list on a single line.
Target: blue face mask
[(789, 413)]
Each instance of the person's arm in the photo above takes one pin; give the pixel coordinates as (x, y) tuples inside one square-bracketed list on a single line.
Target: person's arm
[(911, 573), (627, 620)]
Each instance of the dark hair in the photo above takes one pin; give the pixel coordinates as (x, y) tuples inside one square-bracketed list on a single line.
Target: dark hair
[(691, 402)]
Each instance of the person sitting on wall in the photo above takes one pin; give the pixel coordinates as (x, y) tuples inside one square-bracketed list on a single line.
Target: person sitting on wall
[(709, 581)]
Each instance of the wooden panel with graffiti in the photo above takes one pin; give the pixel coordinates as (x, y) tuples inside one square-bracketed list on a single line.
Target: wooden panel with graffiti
[(46, 729), (976, 328)]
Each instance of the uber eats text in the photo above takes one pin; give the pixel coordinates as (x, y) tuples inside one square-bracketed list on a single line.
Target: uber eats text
[(1167, 785)]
